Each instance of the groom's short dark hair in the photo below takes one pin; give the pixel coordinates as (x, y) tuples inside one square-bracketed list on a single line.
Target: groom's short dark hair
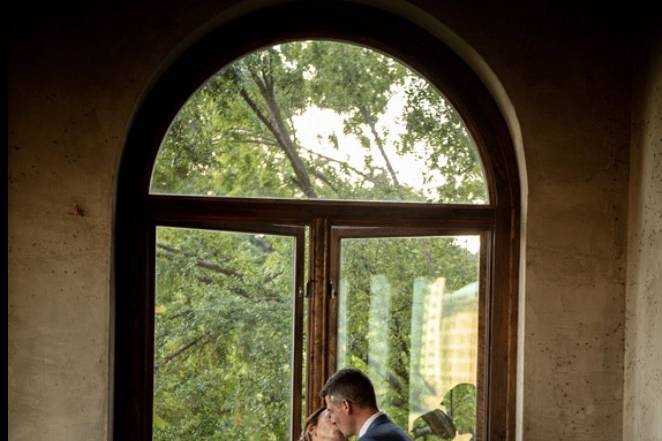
[(352, 385)]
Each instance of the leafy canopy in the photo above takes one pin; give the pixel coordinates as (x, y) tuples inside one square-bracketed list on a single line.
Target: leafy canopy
[(223, 310), (392, 135)]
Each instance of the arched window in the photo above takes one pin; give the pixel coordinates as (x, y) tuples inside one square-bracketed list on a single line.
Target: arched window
[(298, 196)]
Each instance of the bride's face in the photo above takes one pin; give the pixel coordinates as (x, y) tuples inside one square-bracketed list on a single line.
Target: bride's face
[(326, 430)]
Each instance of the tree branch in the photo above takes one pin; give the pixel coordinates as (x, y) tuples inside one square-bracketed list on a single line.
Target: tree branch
[(168, 358), (280, 134), (201, 263), (258, 112), (370, 120), (170, 252), (322, 177), (313, 171), (343, 163)]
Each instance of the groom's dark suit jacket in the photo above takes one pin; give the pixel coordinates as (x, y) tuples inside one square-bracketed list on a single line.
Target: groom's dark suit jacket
[(383, 429)]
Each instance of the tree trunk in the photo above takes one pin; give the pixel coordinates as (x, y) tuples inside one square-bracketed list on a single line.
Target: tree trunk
[(370, 120), (283, 136)]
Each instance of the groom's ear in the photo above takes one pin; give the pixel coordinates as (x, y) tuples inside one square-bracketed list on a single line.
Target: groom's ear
[(347, 407)]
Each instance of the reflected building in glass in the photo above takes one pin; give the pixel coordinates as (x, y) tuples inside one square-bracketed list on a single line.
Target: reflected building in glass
[(444, 332)]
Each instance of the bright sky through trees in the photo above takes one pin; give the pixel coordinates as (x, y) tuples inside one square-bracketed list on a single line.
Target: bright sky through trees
[(337, 120), (315, 125)]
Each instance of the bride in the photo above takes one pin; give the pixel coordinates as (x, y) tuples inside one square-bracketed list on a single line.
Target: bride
[(318, 427)]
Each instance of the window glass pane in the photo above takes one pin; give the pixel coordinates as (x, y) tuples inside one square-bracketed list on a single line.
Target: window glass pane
[(223, 335), (319, 119), (408, 317)]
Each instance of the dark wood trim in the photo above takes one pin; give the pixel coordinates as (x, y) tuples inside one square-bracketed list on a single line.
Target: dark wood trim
[(484, 300), (137, 212), (318, 326), (298, 233), (407, 231), (334, 284), (297, 333), (191, 209), (503, 327), (484, 326), (236, 226), (133, 330), (149, 335)]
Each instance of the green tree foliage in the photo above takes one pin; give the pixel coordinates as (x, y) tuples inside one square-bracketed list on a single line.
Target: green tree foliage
[(224, 300), (401, 261), (236, 135), (223, 321), (460, 405)]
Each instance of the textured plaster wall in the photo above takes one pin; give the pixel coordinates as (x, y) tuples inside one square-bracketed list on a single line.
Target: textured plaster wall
[(642, 414), (568, 78), (75, 78), (574, 117)]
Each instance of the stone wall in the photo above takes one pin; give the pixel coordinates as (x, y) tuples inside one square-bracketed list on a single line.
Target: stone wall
[(76, 76), (642, 414)]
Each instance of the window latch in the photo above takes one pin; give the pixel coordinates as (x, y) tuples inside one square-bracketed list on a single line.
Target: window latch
[(332, 289)]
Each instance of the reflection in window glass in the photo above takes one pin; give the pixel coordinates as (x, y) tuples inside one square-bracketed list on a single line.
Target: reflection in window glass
[(223, 335), (319, 119), (408, 316)]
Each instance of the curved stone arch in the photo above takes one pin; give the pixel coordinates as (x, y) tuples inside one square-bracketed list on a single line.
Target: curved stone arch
[(174, 83)]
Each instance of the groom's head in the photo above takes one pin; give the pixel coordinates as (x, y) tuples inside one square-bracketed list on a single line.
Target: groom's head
[(350, 399)]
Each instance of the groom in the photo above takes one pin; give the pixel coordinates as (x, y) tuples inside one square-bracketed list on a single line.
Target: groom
[(351, 403)]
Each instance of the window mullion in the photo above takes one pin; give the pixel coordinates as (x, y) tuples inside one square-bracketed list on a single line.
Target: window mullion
[(318, 312), (297, 346)]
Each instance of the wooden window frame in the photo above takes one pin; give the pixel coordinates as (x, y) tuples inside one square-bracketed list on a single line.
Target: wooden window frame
[(138, 212), (298, 234), (338, 233)]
